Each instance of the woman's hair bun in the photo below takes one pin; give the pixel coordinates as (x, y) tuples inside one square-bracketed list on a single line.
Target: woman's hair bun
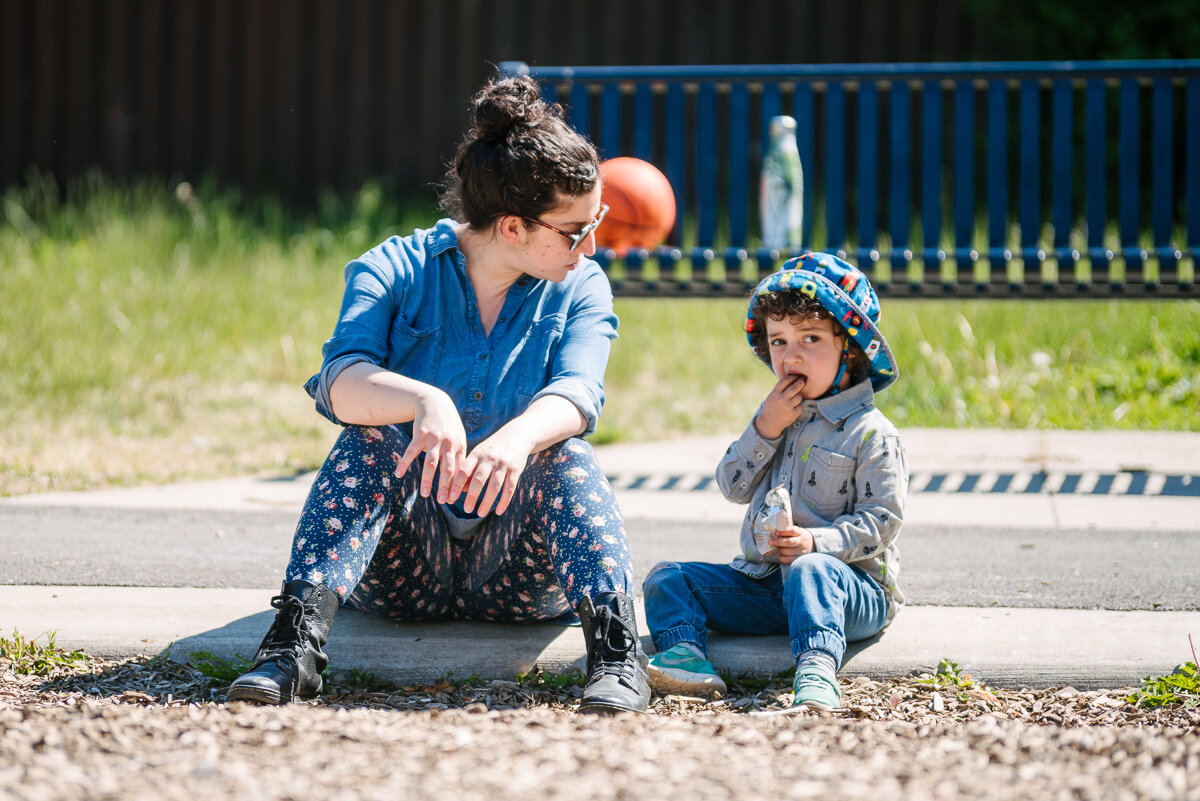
[(506, 104), (519, 158)]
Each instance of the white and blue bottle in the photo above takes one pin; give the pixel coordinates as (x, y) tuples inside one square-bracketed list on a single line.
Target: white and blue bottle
[(781, 189)]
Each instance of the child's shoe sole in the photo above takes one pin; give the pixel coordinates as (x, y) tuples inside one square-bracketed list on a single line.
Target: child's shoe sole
[(682, 681)]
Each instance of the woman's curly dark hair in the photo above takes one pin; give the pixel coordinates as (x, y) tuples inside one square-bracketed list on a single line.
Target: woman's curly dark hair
[(519, 157), (798, 307)]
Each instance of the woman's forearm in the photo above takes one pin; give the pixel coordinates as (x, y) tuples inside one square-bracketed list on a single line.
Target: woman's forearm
[(548, 420), (366, 394)]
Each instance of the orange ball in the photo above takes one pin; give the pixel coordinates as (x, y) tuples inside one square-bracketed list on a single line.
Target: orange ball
[(641, 205)]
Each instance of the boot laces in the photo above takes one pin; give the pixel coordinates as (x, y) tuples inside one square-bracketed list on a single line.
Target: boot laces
[(287, 634), (613, 647)]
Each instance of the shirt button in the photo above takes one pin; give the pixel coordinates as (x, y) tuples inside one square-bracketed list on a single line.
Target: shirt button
[(483, 357), (478, 395), (504, 319)]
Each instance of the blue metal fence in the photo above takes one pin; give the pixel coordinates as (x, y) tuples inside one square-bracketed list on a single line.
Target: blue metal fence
[(1018, 178)]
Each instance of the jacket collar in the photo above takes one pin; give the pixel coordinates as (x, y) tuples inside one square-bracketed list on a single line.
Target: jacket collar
[(836, 408)]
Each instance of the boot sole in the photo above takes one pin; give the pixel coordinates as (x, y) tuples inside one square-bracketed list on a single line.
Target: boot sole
[(608, 710), (257, 695)]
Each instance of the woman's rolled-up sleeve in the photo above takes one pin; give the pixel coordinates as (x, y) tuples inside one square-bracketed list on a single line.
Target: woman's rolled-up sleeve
[(577, 365), (361, 333)]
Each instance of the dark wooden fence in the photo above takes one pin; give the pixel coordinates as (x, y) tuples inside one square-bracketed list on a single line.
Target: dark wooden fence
[(297, 95)]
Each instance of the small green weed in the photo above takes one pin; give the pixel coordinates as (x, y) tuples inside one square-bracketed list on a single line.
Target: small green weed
[(949, 676), (539, 678), (218, 668), (367, 682), (756, 682), (1182, 686), (29, 658), (474, 680)]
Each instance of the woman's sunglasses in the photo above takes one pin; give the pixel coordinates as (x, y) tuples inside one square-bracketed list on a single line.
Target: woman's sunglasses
[(579, 235)]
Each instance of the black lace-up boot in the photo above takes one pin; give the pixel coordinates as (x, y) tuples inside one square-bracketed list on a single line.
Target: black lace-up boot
[(289, 662), (616, 663)]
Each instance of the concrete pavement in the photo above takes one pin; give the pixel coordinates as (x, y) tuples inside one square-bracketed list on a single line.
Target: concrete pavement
[(978, 481)]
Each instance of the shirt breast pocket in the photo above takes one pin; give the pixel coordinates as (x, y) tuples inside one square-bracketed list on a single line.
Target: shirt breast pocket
[(414, 352), (536, 354), (827, 483)]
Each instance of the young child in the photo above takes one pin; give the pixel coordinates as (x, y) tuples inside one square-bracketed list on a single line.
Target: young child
[(824, 571)]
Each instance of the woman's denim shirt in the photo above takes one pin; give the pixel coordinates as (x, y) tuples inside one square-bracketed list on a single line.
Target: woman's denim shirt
[(845, 470), (409, 307)]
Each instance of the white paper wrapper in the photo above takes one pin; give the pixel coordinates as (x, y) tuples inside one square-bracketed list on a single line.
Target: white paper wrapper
[(775, 514)]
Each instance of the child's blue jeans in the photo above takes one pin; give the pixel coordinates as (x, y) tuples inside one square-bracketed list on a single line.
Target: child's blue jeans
[(819, 601)]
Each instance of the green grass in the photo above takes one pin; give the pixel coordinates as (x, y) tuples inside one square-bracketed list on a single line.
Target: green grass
[(540, 678), (684, 367), (152, 335), (218, 668), (28, 657)]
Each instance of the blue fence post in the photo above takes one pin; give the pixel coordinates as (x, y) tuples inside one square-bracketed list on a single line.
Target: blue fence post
[(676, 144), (1030, 214), (965, 254), (1129, 199), (997, 147), (1094, 141), (803, 109), (706, 174), (900, 211), (1062, 186), (835, 168), (868, 179), (1193, 174), (932, 253), (739, 179), (643, 115), (1162, 193), (581, 108), (610, 121)]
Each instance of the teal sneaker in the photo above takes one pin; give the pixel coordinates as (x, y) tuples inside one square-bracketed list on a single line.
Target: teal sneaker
[(816, 688), (680, 670)]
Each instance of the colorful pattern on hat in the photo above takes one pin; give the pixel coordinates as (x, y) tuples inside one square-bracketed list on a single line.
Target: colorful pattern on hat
[(844, 291)]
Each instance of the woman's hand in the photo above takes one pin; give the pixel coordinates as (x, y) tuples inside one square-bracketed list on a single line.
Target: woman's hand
[(490, 472), (438, 433), (780, 409), (791, 543)]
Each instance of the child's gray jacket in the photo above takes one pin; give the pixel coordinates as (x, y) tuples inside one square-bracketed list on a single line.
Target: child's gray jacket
[(844, 466)]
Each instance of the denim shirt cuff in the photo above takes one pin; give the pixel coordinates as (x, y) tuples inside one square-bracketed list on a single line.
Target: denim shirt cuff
[(585, 398), (318, 386)]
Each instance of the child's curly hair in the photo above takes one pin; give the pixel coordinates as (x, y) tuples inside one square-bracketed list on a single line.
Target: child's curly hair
[(798, 307)]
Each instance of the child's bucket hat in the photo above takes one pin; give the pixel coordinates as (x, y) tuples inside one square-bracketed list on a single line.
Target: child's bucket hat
[(844, 291)]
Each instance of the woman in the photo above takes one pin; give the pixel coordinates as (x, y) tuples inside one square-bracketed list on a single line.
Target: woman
[(467, 361)]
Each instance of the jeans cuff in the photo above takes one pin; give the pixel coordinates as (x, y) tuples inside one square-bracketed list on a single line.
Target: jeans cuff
[(819, 641), (677, 634)]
